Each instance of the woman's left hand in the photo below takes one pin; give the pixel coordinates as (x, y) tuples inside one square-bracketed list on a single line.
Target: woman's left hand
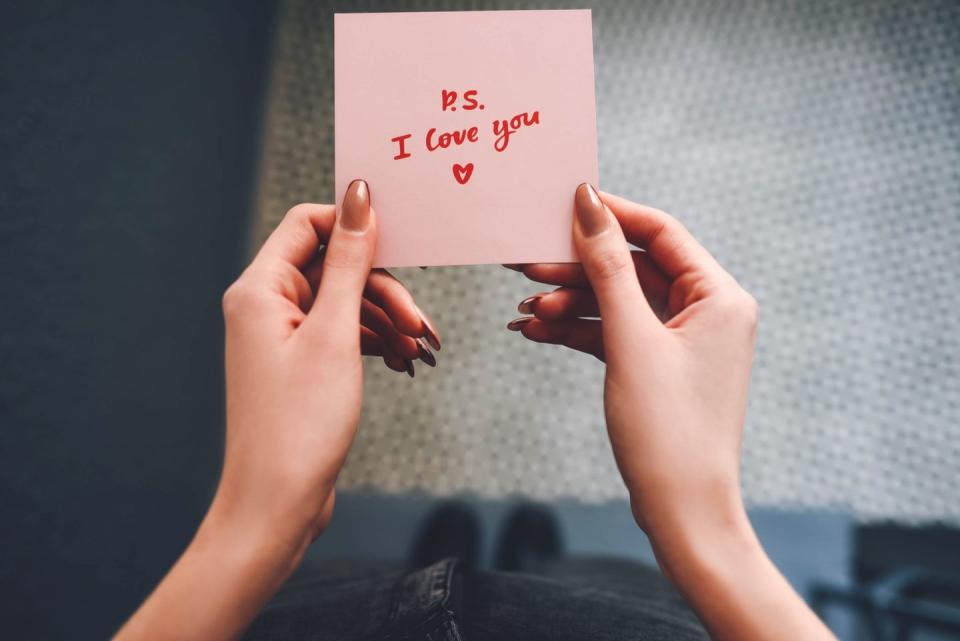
[(296, 325)]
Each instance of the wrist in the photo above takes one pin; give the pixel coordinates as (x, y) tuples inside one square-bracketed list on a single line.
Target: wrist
[(268, 547), (702, 547), (691, 534)]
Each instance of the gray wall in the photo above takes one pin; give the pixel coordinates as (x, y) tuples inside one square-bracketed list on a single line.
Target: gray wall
[(812, 146)]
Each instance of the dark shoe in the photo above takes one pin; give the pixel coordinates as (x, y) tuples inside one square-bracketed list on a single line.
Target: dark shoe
[(450, 530), (530, 538)]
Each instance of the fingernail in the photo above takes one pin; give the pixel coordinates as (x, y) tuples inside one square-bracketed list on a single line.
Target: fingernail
[(410, 371), (425, 354), (355, 211), (590, 211), (526, 305), (514, 267), (517, 323), (432, 336)]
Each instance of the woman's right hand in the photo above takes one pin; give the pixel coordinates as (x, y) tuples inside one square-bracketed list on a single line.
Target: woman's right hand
[(677, 334)]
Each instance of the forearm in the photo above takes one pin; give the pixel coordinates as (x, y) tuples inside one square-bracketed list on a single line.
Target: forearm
[(219, 584), (735, 589)]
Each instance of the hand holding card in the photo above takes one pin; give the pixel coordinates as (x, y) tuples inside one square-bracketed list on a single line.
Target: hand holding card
[(472, 129)]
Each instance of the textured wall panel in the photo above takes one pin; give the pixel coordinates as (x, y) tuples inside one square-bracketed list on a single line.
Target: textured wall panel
[(813, 147)]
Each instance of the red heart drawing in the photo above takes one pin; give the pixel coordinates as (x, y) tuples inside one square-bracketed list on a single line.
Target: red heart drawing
[(463, 172)]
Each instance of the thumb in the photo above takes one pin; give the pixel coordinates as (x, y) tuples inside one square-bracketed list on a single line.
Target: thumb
[(347, 261), (606, 259)]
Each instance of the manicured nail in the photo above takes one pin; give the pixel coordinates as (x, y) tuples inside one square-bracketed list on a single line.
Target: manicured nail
[(432, 336), (526, 305), (425, 354), (410, 371), (590, 211), (355, 211), (517, 323), (514, 267)]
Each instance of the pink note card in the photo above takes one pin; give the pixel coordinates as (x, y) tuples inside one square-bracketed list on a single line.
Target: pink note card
[(473, 130)]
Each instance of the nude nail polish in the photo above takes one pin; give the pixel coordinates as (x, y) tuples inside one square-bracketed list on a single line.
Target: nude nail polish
[(591, 214), (526, 305), (355, 211), (517, 323), (432, 336), (425, 354)]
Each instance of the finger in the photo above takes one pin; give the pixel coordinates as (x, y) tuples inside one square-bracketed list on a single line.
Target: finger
[(370, 342), (406, 346), (607, 263), (346, 264), (562, 274), (313, 272), (284, 279), (372, 345), (655, 284), (565, 303), (394, 298), (572, 274), (397, 363), (293, 244), (430, 329), (377, 320), (670, 245), (298, 236), (584, 335), (560, 304)]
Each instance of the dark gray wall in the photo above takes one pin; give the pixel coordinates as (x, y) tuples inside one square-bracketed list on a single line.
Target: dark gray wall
[(128, 145)]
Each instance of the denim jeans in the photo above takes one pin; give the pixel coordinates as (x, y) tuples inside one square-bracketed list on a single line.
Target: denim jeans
[(590, 598)]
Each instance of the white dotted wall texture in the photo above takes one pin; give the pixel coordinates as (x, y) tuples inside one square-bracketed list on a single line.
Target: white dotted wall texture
[(814, 147)]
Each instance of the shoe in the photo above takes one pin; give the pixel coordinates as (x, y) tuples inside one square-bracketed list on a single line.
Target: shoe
[(530, 538), (450, 530)]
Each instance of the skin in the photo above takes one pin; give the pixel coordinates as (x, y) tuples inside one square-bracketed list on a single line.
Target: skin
[(675, 330), (677, 334)]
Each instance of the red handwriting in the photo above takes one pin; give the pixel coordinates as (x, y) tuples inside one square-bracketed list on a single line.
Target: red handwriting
[(502, 129), (448, 100), (447, 138), (462, 173), (451, 100), (400, 140)]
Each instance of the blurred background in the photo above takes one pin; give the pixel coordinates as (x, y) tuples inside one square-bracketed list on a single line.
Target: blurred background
[(147, 148)]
